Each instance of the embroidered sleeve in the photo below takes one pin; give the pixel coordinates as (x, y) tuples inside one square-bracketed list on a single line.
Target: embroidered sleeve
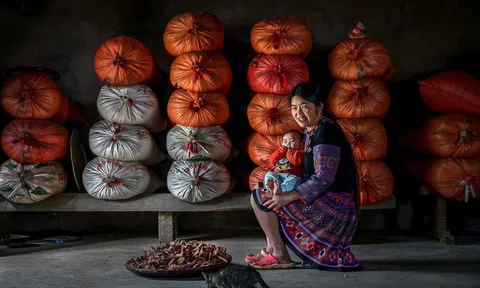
[(277, 155), (295, 157), (325, 158)]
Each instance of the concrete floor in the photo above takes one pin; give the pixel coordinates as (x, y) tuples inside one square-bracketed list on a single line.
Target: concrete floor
[(99, 262)]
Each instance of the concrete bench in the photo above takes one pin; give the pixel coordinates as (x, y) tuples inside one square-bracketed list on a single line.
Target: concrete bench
[(165, 204)]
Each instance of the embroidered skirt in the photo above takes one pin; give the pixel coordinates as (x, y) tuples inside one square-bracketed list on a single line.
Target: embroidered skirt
[(320, 232)]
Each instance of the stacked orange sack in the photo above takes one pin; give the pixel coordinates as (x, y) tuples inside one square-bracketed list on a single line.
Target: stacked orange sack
[(359, 99), (281, 44), (36, 138), (198, 107), (451, 140)]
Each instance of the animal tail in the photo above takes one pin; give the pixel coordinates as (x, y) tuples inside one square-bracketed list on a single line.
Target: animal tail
[(262, 284)]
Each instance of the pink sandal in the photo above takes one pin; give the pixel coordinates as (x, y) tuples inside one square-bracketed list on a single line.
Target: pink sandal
[(250, 257), (271, 263)]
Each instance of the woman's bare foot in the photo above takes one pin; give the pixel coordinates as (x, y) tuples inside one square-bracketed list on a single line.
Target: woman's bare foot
[(269, 249), (282, 257)]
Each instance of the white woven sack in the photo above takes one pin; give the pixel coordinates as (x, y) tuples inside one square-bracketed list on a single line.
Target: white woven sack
[(198, 143), (198, 181), (124, 143), (115, 180), (133, 105), (27, 184)]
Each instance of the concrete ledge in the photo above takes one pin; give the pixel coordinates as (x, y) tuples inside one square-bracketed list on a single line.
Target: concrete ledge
[(156, 202)]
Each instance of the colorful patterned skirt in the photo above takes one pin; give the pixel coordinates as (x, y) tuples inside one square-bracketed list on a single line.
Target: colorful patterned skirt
[(319, 233)]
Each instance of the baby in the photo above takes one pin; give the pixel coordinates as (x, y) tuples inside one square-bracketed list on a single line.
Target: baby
[(288, 162)]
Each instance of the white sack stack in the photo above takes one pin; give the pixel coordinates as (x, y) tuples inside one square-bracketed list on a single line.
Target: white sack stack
[(133, 105), (116, 180), (124, 143), (27, 184), (198, 143), (198, 181)]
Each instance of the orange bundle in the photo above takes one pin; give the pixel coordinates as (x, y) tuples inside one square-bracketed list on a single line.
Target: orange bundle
[(447, 136), (358, 57), (367, 137), (376, 182), (195, 109), (124, 61), (257, 176), (270, 114), (366, 98), (261, 147), (193, 32), (201, 72)]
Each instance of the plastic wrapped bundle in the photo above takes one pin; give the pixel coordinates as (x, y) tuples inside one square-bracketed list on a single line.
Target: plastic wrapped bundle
[(124, 142), (134, 105), (115, 180), (27, 184), (193, 143), (198, 181)]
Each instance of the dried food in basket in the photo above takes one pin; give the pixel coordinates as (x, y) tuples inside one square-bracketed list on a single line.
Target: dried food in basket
[(181, 255)]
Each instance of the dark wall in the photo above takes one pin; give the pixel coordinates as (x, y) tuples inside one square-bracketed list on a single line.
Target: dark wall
[(422, 36)]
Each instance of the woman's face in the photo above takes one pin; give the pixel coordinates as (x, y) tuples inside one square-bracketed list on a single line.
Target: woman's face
[(306, 113)]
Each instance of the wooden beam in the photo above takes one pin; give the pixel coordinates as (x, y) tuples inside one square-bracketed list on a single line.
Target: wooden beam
[(154, 202)]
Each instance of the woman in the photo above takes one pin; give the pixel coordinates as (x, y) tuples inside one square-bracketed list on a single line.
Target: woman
[(319, 218)]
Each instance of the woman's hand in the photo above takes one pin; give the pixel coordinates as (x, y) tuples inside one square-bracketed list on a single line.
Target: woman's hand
[(279, 199)]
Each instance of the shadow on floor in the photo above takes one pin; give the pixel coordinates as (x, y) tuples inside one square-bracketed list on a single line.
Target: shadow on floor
[(437, 266), (37, 245)]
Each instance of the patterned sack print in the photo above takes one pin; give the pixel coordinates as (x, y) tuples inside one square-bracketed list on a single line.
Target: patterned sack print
[(27, 184), (114, 180), (124, 142), (134, 105), (192, 143), (198, 181)]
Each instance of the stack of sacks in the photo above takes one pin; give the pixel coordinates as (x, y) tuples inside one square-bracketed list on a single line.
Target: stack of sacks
[(451, 140), (197, 143), (281, 44), (359, 99), (36, 138), (123, 141)]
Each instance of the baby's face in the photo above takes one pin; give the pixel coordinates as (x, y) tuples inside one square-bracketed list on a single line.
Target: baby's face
[(291, 141)]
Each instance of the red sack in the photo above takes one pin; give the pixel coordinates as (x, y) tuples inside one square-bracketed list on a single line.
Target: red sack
[(452, 178), (69, 112), (201, 72), (270, 114), (34, 141), (281, 35), (367, 137), (31, 95), (447, 136), (257, 175), (367, 98), (193, 32), (260, 147), (376, 182), (124, 61), (277, 74), (451, 92), (359, 57)]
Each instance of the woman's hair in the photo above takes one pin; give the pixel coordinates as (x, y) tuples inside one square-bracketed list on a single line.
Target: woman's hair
[(312, 93)]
